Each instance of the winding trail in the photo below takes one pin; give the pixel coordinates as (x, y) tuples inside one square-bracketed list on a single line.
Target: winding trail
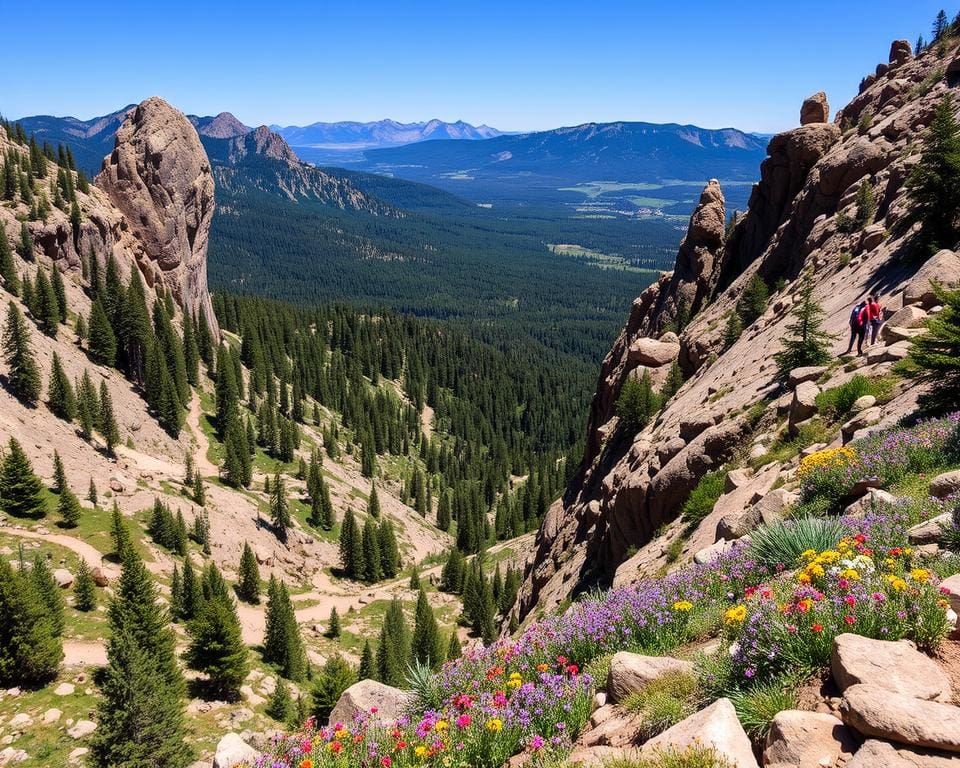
[(200, 461)]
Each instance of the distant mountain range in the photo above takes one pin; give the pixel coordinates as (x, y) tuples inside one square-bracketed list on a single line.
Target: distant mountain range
[(611, 152), (330, 143)]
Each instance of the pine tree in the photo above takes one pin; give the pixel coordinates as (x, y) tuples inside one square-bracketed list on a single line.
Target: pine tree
[(373, 569), (59, 292), (176, 594), (25, 248), (59, 473), (333, 626), (120, 535), (21, 491), (191, 353), (808, 343), (935, 356), (49, 592), (733, 330), (68, 507), (88, 406), (48, 317), (866, 205), (373, 503), (108, 423), (190, 596), (753, 301), (934, 182), (140, 717), (217, 648), (92, 493), (30, 648), (60, 397), (389, 550), (23, 376), (637, 402), (941, 26), (280, 705), (248, 577), (367, 669), (101, 340), (280, 507), (199, 494), (351, 547), (426, 643), (393, 649), (414, 577), (8, 272), (333, 679), (282, 644), (80, 328), (237, 467), (84, 588), (453, 649)]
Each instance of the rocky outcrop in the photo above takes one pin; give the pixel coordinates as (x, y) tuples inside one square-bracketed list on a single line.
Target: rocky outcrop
[(815, 109), (896, 667), (159, 177), (807, 738), (234, 751), (875, 711), (368, 697), (264, 142), (716, 727), (631, 672), (631, 486)]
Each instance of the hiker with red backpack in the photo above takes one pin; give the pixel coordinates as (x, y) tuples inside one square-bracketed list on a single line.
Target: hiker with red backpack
[(857, 331), (876, 317)]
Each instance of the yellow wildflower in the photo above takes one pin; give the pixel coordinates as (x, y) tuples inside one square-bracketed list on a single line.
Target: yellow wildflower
[(829, 458), (920, 574), (495, 725), (682, 606), (420, 750), (850, 574), (735, 615), (442, 725)]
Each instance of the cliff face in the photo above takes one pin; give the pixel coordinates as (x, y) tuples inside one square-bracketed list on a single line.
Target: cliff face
[(632, 485), (159, 178)]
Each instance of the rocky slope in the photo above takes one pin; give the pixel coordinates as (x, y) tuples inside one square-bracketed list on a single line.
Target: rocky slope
[(631, 487)]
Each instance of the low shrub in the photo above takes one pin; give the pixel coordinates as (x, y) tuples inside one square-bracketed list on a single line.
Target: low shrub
[(664, 702), (702, 498), (837, 402), (691, 757), (780, 544), (757, 705)]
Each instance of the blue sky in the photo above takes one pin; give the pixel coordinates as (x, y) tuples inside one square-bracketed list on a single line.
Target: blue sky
[(514, 65)]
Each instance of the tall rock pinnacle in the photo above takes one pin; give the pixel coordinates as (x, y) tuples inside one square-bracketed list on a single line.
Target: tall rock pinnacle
[(159, 176)]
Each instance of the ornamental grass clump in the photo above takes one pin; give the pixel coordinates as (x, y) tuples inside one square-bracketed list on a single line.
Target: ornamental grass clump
[(781, 543)]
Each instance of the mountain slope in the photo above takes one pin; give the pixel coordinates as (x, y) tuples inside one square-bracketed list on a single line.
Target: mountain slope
[(633, 483)]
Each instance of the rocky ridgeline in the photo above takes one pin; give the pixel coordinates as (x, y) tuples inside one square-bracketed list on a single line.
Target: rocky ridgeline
[(633, 485)]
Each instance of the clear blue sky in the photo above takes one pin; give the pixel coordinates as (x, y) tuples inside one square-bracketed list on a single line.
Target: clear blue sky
[(514, 65)]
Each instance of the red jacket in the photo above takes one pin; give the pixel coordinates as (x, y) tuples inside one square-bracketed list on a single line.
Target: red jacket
[(864, 317), (875, 310)]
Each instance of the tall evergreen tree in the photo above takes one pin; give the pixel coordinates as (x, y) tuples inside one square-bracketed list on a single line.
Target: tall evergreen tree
[(280, 507), (426, 645), (351, 547), (373, 569), (367, 669), (30, 648), (23, 376), (59, 473), (389, 550), (333, 625), (934, 182), (21, 491), (48, 315), (808, 343), (119, 535), (283, 645), (8, 272), (393, 649), (48, 591), (140, 717), (108, 422), (60, 397), (84, 588), (101, 339), (248, 582), (373, 502), (68, 507), (59, 292), (935, 356), (217, 648)]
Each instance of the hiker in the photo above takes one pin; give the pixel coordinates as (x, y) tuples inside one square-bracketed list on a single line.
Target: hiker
[(876, 318), (863, 324), (854, 325)]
